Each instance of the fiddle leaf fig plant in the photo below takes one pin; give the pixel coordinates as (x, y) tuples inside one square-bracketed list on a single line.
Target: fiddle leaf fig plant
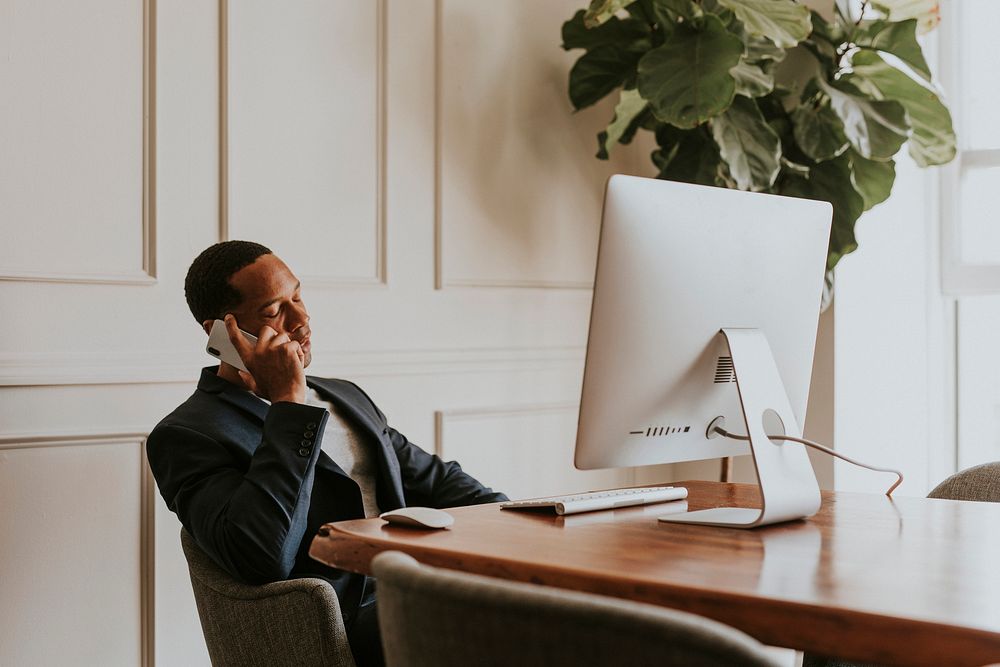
[(709, 79)]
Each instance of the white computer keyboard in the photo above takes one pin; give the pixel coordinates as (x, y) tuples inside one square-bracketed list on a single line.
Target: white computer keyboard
[(601, 500)]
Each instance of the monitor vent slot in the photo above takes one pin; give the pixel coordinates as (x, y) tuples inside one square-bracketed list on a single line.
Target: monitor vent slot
[(724, 371), (655, 431)]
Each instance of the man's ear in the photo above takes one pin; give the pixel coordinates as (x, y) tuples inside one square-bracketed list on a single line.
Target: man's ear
[(207, 326)]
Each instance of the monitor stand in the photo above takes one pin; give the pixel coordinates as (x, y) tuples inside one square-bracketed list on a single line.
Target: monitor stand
[(788, 485)]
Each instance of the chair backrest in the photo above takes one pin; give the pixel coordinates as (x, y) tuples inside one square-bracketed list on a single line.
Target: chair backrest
[(980, 482), (434, 617), (294, 622)]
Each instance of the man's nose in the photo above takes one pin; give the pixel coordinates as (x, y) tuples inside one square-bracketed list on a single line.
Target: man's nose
[(300, 316)]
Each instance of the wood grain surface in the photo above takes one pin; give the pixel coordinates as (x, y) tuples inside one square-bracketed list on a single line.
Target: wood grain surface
[(908, 581)]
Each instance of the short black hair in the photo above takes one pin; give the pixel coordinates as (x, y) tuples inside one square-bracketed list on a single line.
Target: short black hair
[(206, 287)]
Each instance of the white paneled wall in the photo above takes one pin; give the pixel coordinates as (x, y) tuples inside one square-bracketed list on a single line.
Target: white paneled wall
[(74, 552), (495, 443), (75, 155), (306, 124), (501, 104), (416, 162)]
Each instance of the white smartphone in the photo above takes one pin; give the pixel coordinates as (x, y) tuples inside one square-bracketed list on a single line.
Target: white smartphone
[(220, 347)]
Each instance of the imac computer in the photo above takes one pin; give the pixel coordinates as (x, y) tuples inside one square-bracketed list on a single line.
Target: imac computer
[(706, 303)]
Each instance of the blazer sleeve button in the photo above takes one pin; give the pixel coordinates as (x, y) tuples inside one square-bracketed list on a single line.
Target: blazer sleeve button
[(304, 452)]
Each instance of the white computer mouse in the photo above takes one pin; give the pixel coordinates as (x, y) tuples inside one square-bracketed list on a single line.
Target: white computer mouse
[(418, 517)]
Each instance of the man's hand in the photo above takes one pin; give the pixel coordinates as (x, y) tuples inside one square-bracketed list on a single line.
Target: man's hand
[(276, 364)]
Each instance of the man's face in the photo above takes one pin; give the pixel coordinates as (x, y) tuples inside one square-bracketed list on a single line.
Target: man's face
[(272, 297)]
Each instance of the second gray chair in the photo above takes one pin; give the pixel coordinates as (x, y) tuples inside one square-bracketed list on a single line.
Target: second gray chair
[(432, 617), (295, 622), (980, 483)]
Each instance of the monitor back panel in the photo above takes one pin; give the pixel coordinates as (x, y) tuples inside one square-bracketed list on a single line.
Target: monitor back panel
[(676, 264)]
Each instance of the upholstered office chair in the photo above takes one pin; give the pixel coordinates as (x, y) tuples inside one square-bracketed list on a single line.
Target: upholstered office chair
[(432, 617), (980, 483), (295, 622)]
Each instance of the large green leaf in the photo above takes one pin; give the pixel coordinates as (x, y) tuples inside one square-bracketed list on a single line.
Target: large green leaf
[(602, 10), (873, 180), (630, 105), (687, 80), (646, 120), (824, 41), (675, 11), (687, 156), (598, 72), (876, 128), (642, 10), (626, 32), (831, 32), (926, 12), (817, 129), (831, 181), (748, 145), (760, 49), (784, 22), (752, 80), (933, 139), (899, 39), (842, 10), (794, 167)]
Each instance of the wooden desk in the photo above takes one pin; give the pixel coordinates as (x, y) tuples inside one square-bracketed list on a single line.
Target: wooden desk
[(910, 581)]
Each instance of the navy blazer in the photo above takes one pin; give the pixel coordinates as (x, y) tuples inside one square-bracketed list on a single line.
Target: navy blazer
[(252, 485)]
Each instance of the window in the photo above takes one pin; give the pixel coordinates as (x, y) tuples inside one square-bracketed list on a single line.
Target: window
[(970, 219)]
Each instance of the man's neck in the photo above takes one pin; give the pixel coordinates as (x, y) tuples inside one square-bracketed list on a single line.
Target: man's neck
[(232, 375)]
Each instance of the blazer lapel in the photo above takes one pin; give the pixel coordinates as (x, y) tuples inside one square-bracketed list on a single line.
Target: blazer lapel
[(360, 410), (341, 396), (230, 393), (335, 391)]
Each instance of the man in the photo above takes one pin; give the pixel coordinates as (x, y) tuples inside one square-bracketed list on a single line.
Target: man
[(254, 462)]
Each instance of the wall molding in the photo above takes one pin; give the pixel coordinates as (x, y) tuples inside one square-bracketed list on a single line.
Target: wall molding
[(374, 363), (147, 274), (226, 226), (149, 140), (106, 368), (147, 511), (41, 276), (148, 560), (41, 369), (441, 280), (443, 417), (223, 120), (74, 438), (518, 284)]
